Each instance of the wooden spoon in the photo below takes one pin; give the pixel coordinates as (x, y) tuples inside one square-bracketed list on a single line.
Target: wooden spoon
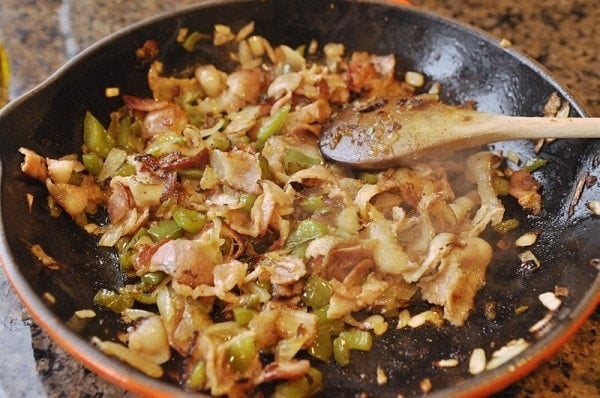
[(389, 132)]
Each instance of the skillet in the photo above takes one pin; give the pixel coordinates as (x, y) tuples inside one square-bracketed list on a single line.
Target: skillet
[(470, 66)]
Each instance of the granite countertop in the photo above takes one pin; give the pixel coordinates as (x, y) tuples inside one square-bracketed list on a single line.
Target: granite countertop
[(563, 35)]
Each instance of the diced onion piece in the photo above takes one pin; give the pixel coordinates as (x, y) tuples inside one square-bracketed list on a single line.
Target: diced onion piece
[(149, 338), (256, 45), (594, 206), (541, 327), (415, 79), (528, 256), (435, 88), (128, 356), (245, 31), (333, 55), (403, 319), (211, 80), (49, 297), (61, 170), (446, 363), (513, 157), (505, 43), (381, 376), (29, 198), (563, 111), (313, 47), (182, 34), (289, 56), (377, 323), (477, 361), (222, 35), (507, 352), (85, 314), (111, 92), (426, 385), (425, 316), (550, 301), (527, 239)]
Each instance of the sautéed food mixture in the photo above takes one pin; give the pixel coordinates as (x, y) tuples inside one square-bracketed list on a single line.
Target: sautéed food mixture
[(255, 251)]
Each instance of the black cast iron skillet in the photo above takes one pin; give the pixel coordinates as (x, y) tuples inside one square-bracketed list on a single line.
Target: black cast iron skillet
[(470, 66)]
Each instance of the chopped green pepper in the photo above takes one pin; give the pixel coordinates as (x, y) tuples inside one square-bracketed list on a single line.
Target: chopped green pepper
[(163, 144), (242, 351), (247, 201), (322, 346), (306, 231), (341, 351), (534, 164), (294, 160), (334, 326), (317, 292), (153, 278), (95, 136), (112, 300), (126, 260), (242, 315), (357, 339), (165, 229), (189, 220), (219, 141), (368, 178), (127, 138), (133, 291), (313, 203), (92, 162), (251, 300), (197, 377), (302, 387), (272, 126), (265, 170), (190, 41), (192, 174), (126, 169)]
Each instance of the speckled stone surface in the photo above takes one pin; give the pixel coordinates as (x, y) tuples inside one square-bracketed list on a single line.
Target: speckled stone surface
[(40, 36)]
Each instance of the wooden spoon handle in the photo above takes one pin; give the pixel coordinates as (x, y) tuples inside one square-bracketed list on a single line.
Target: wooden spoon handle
[(490, 128), (391, 132)]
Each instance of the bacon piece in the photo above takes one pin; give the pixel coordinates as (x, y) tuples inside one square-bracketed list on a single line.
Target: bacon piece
[(458, 276), (525, 188), (341, 260), (189, 262), (177, 161), (238, 169), (120, 202), (246, 84), (174, 161), (360, 76), (34, 165), (143, 104), (148, 51)]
